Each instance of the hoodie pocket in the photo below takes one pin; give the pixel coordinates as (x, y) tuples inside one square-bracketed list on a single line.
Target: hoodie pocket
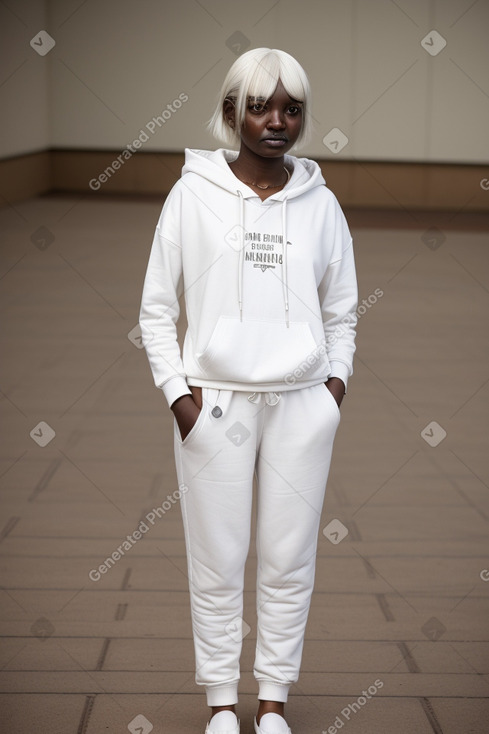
[(263, 352)]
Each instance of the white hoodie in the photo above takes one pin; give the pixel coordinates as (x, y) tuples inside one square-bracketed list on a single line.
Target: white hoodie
[(270, 286)]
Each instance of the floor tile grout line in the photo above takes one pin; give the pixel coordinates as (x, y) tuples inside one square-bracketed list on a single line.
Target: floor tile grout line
[(120, 612), (407, 655), (415, 594), (45, 479), (125, 581), (384, 607), (430, 715), (9, 526), (327, 696), (361, 640), (85, 715), (103, 653)]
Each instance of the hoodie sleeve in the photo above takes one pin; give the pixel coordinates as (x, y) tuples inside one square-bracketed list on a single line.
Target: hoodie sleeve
[(338, 293), (160, 307)]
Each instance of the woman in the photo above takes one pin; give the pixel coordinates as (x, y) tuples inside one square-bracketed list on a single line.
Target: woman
[(262, 252)]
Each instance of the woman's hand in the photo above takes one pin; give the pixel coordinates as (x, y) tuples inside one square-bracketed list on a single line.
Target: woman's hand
[(336, 386), (186, 410)]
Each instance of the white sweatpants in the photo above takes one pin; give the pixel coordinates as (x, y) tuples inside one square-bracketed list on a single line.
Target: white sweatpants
[(287, 438)]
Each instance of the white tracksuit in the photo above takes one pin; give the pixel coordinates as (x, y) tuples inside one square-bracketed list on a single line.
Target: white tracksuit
[(271, 296)]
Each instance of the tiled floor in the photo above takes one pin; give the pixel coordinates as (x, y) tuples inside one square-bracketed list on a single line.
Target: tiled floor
[(401, 607)]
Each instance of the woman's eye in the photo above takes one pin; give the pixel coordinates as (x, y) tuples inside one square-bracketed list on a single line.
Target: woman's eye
[(258, 107)]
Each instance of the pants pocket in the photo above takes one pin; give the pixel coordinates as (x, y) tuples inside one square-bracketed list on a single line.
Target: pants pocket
[(331, 398), (197, 427)]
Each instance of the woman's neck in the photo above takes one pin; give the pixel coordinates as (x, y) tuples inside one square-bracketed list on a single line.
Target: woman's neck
[(251, 167)]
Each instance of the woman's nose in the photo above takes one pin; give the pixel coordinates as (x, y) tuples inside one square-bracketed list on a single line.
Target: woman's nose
[(276, 118)]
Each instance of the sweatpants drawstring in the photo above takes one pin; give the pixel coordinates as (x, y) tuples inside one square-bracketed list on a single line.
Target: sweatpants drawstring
[(271, 398)]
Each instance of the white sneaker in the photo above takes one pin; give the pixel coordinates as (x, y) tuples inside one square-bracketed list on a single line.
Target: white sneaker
[(224, 722), (272, 724)]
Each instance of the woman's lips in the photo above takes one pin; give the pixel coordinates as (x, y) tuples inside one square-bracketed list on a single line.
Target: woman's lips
[(275, 142)]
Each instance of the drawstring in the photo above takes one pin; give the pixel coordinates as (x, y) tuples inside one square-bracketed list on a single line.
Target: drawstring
[(285, 281), (285, 277), (241, 255), (271, 398)]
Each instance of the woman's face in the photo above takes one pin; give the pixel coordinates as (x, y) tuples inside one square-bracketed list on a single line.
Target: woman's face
[(271, 127)]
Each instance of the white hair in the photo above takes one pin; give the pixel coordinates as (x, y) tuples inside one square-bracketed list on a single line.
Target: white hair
[(256, 73)]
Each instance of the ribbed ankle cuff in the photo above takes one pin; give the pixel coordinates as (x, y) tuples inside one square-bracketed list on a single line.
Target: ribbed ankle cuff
[(270, 691), (226, 695)]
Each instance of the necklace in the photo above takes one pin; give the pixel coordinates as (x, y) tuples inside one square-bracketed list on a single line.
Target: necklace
[(269, 186)]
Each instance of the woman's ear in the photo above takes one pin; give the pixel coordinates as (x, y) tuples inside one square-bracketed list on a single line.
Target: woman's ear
[(229, 111)]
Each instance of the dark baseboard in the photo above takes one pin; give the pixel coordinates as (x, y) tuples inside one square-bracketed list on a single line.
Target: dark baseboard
[(363, 185)]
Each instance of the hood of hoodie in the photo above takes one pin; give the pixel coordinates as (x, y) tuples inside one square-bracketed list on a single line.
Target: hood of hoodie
[(213, 166)]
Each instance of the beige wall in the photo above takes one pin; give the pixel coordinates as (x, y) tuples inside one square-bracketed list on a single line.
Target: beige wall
[(25, 80), (116, 64)]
